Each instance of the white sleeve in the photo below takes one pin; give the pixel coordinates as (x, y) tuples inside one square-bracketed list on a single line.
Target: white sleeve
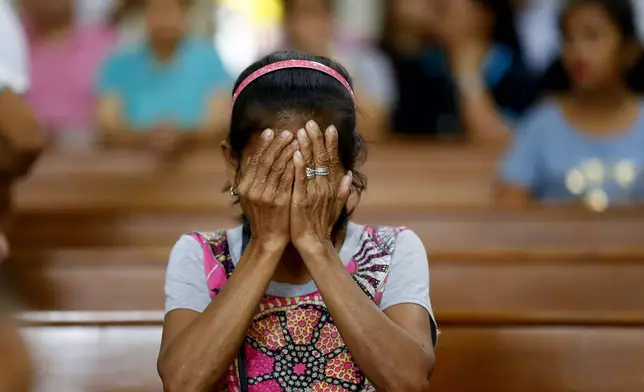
[(408, 280), (14, 72), (185, 282)]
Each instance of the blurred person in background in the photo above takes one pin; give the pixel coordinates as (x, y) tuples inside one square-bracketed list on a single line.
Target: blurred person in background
[(64, 61), (20, 144), (405, 41), (587, 141), (470, 77), (158, 92), (309, 28)]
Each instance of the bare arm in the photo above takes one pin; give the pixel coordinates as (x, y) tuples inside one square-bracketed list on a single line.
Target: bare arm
[(19, 130), (394, 348), (114, 129), (117, 132), (480, 115), (15, 367), (198, 349)]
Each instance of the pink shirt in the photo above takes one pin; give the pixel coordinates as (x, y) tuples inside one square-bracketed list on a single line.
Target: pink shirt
[(63, 74)]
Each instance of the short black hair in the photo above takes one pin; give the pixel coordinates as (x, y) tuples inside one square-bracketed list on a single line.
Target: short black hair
[(297, 95)]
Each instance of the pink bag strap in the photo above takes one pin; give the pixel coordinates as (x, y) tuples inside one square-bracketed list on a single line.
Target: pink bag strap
[(217, 262)]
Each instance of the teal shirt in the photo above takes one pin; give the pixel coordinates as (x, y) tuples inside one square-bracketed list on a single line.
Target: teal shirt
[(177, 92)]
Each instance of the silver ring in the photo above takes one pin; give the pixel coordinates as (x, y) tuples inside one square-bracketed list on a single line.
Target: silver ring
[(310, 173), (322, 171)]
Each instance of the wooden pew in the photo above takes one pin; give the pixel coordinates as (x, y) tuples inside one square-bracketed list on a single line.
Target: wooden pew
[(116, 352), (94, 352), (456, 234), (406, 175), (562, 290)]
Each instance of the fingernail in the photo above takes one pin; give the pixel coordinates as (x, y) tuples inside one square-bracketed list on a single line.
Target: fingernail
[(350, 173), (268, 134), (298, 156), (332, 130), (294, 143), (311, 124), (285, 134), (301, 133)]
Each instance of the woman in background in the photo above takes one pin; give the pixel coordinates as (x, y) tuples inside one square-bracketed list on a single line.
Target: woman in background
[(65, 58), (162, 90), (469, 78), (587, 141)]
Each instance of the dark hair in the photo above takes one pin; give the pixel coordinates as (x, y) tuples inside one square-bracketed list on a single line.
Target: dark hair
[(287, 96), (505, 30), (622, 14)]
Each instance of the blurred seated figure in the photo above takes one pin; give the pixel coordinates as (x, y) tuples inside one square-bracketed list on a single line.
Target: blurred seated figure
[(309, 26), (459, 67), (64, 61), (20, 144), (170, 86), (587, 141)]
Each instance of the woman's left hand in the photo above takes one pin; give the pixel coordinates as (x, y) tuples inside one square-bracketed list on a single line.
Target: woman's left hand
[(316, 203)]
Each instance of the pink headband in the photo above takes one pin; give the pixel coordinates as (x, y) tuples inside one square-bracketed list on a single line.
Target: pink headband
[(290, 64)]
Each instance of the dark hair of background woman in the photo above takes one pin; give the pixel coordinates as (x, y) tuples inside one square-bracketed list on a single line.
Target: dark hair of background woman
[(295, 96), (622, 14)]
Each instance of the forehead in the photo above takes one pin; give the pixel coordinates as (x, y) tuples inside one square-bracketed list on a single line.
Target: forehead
[(588, 13)]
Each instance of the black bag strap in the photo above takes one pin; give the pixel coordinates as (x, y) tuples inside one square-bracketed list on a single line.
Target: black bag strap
[(241, 357)]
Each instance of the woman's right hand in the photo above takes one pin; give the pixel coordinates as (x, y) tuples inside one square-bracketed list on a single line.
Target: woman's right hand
[(266, 187)]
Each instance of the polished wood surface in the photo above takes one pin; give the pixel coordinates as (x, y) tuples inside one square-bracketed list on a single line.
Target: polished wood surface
[(515, 291), (459, 234), (409, 175)]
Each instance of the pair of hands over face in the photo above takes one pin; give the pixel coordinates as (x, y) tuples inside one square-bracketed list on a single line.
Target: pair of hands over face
[(281, 204)]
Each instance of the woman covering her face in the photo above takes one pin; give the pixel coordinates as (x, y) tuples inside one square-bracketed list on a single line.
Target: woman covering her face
[(298, 297)]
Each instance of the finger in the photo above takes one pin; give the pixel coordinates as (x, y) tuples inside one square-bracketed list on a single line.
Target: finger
[(331, 144), (285, 188), (253, 162), (279, 167), (320, 155), (270, 156), (301, 182), (344, 190), (305, 148)]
